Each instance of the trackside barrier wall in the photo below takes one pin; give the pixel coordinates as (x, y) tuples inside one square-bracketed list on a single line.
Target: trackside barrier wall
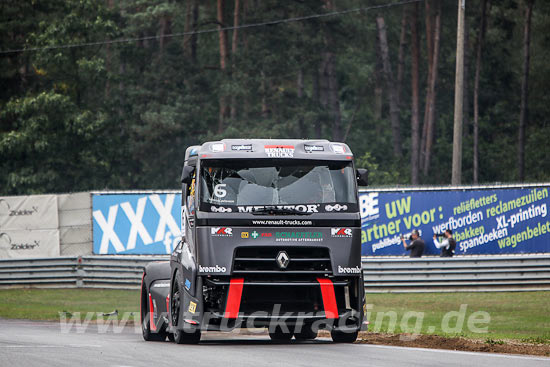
[(472, 273), (499, 219)]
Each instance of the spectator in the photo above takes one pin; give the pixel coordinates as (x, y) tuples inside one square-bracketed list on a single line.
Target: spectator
[(448, 245), (416, 246)]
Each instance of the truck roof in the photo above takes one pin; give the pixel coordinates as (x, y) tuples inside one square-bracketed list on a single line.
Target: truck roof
[(271, 148)]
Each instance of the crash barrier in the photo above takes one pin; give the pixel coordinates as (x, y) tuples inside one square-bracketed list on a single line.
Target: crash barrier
[(463, 273), (428, 274), (75, 272)]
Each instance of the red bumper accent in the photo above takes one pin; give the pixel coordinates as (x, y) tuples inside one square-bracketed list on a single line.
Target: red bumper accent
[(152, 325), (234, 298), (141, 303), (168, 309), (329, 299)]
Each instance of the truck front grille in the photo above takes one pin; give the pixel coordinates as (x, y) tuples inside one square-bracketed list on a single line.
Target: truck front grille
[(263, 260)]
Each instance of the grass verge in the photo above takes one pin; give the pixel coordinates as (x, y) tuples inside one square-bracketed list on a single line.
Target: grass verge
[(519, 316), (522, 316), (46, 304)]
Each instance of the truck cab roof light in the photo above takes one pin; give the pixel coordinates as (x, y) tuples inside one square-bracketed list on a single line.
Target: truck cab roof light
[(338, 148), (217, 147)]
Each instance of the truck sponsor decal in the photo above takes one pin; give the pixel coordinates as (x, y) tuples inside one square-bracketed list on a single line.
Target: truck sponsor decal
[(256, 234), (220, 209), (221, 231), (335, 207), (241, 147), (299, 236), (341, 232), (279, 151), (304, 208), (212, 269), (313, 148), (227, 206), (344, 270), (282, 222), (192, 307)]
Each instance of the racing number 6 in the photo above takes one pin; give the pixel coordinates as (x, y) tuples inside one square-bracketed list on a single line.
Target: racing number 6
[(220, 191)]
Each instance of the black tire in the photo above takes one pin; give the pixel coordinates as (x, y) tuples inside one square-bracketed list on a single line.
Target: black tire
[(280, 336), (171, 337), (187, 337), (146, 332), (344, 337), (307, 333), (180, 336)]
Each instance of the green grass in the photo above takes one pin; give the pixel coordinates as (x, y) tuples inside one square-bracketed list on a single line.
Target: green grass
[(524, 316), (45, 304), (513, 315)]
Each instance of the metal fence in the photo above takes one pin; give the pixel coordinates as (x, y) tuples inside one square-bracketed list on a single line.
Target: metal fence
[(75, 272), (496, 273), (466, 273)]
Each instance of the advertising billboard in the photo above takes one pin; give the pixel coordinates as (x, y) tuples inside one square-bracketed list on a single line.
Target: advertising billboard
[(483, 221), (143, 223)]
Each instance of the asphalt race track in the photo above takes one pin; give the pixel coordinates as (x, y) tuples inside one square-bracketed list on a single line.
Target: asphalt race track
[(30, 343)]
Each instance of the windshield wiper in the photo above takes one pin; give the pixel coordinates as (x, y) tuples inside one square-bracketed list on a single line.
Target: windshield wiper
[(273, 210)]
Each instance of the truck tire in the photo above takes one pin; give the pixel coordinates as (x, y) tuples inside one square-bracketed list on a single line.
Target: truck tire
[(280, 336), (307, 333), (148, 335), (180, 336), (342, 337), (183, 337)]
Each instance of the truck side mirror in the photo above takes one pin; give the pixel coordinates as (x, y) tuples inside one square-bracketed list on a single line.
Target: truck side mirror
[(362, 177), (187, 174)]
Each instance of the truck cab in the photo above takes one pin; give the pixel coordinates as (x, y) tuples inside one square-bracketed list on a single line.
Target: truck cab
[(270, 238)]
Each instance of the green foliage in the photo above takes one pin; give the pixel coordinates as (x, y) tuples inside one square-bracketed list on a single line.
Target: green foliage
[(120, 116), (379, 176), (52, 145)]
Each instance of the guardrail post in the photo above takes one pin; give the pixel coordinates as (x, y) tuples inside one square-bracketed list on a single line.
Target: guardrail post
[(79, 272)]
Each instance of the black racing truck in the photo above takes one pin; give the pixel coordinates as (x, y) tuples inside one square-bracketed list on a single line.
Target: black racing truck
[(270, 238)]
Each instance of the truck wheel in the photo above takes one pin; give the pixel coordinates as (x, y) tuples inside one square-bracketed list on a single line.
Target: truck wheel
[(183, 337), (180, 336), (148, 335), (280, 336), (306, 333), (342, 337)]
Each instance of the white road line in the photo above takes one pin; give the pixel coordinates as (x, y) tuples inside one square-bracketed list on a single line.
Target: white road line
[(52, 346), (488, 354)]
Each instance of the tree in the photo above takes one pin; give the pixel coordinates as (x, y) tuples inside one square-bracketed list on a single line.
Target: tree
[(459, 97), (222, 36), (119, 115), (485, 5), (433, 63), (523, 116), (415, 122), (393, 98)]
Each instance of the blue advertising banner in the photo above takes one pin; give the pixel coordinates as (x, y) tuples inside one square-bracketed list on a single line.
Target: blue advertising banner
[(488, 221), (136, 223)]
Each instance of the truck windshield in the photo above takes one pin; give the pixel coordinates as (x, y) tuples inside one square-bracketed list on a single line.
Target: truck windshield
[(277, 182)]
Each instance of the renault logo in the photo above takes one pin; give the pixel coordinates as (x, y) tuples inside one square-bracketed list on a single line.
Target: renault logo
[(282, 259)]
